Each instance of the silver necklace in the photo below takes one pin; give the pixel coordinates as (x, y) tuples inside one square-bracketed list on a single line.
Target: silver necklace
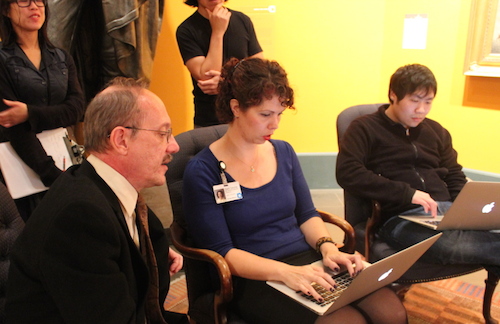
[(252, 168)]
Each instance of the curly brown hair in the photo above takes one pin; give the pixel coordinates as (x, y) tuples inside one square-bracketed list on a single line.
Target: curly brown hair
[(250, 81)]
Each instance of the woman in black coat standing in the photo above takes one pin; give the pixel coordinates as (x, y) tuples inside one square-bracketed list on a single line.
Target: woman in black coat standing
[(39, 89)]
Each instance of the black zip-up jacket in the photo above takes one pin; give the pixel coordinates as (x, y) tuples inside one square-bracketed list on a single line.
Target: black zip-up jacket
[(378, 159), (54, 98)]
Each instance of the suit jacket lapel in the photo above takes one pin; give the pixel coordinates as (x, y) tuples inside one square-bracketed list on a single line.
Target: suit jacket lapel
[(141, 270)]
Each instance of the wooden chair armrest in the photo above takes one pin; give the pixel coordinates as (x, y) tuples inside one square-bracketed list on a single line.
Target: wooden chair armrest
[(226, 282), (372, 225), (350, 239)]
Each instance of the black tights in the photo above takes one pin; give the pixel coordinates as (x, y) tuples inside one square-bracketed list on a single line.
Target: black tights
[(381, 306)]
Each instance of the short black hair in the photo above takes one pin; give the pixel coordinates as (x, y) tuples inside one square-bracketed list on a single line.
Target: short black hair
[(411, 78), (193, 3)]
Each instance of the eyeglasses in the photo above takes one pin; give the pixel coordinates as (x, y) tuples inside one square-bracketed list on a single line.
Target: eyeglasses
[(163, 134), (27, 3)]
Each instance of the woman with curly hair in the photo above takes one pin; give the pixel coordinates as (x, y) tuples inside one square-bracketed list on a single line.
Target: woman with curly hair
[(267, 228)]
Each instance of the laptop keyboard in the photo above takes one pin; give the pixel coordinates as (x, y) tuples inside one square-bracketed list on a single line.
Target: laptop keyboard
[(343, 280)]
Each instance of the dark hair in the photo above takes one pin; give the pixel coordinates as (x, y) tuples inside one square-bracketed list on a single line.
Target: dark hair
[(7, 33), (250, 81), (411, 78), (117, 106), (193, 3)]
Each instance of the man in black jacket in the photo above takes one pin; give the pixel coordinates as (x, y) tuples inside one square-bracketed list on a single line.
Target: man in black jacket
[(407, 162), (88, 255)]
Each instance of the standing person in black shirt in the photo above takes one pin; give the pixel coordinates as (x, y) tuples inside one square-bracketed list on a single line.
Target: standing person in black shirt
[(207, 39)]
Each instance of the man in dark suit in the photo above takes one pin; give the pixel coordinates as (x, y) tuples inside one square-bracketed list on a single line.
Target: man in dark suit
[(88, 255)]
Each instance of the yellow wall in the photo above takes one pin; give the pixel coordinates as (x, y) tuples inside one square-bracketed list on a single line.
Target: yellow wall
[(342, 53)]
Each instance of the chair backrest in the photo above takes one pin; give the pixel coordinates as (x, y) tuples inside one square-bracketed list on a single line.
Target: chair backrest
[(345, 118), (11, 225), (356, 208), (190, 143), (200, 282)]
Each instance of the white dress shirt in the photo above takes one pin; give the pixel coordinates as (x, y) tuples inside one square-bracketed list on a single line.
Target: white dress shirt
[(126, 193)]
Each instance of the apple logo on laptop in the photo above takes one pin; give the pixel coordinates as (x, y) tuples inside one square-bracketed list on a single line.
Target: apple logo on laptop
[(385, 274), (488, 208)]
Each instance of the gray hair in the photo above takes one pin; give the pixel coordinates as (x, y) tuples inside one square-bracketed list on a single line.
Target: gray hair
[(114, 106)]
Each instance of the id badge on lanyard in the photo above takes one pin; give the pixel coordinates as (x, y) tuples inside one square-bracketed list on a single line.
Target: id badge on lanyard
[(227, 191)]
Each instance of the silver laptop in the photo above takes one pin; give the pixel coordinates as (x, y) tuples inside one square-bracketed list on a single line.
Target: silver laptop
[(373, 277), (477, 207)]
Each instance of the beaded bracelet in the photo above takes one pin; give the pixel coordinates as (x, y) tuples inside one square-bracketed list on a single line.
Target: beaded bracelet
[(321, 241)]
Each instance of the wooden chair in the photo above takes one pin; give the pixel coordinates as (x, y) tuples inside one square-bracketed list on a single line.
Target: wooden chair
[(208, 296), (364, 216), (11, 225)]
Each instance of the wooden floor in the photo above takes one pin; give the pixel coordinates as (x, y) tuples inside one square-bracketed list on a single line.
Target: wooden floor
[(431, 303)]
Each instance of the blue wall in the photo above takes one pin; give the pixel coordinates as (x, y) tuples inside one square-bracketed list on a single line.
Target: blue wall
[(319, 170)]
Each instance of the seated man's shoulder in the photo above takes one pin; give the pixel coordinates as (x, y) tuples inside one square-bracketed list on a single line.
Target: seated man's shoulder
[(77, 188), (75, 179), (432, 123), (369, 120)]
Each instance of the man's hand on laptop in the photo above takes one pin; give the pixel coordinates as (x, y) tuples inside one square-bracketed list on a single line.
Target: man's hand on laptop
[(425, 200)]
